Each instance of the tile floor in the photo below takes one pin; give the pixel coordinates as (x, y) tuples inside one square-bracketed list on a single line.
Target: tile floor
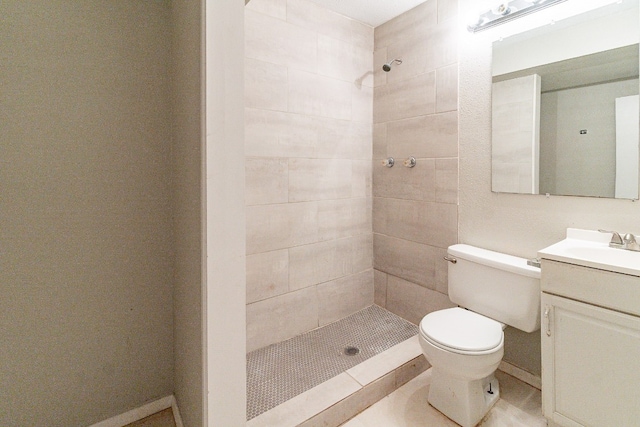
[(340, 398), (284, 370), (519, 406)]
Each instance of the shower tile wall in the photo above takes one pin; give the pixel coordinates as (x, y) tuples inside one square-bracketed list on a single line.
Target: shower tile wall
[(308, 127), (415, 212)]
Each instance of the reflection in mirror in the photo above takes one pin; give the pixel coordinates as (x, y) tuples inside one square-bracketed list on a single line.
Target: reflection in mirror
[(565, 107)]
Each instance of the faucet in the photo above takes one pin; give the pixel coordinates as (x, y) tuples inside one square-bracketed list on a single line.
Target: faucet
[(616, 240), (628, 242)]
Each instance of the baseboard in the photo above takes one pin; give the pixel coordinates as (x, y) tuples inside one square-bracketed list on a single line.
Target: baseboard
[(521, 374), (143, 412), (176, 412)]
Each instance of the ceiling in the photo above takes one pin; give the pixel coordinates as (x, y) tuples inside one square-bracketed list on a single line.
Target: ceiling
[(371, 12)]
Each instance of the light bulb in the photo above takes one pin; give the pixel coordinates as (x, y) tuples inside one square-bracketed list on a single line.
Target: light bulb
[(502, 9)]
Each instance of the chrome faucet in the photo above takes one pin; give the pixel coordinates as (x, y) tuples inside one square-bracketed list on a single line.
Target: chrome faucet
[(616, 240), (628, 242)]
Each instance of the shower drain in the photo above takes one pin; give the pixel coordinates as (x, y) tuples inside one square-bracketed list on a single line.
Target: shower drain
[(351, 351)]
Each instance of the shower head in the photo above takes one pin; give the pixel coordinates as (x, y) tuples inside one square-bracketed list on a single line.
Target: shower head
[(387, 67)]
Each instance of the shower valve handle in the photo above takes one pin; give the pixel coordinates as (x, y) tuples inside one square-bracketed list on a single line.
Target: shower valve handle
[(410, 162)]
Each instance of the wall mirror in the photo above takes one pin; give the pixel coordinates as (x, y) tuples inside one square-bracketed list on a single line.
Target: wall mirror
[(565, 117)]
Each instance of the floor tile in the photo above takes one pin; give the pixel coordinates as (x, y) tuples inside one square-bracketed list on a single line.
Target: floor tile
[(519, 406), (281, 371)]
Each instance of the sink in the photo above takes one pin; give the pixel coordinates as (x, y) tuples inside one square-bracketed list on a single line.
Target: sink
[(591, 249), (605, 255)]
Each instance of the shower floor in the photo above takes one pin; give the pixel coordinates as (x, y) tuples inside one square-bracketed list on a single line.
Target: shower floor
[(284, 370)]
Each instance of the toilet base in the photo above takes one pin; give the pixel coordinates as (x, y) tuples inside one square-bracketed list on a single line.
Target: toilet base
[(465, 402)]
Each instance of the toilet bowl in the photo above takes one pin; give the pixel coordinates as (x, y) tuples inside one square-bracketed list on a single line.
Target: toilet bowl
[(464, 347)]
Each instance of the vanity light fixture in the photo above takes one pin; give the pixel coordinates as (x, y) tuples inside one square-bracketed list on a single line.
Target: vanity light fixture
[(507, 11)]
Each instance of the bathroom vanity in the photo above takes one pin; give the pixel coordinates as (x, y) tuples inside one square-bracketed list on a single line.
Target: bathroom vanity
[(590, 332)]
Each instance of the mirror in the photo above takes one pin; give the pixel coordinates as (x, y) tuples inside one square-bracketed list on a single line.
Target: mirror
[(565, 116)]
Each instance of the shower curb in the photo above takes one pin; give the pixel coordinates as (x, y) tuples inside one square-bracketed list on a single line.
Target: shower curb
[(368, 395)]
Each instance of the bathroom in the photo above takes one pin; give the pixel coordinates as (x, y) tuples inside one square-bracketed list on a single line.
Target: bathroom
[(144, 308)]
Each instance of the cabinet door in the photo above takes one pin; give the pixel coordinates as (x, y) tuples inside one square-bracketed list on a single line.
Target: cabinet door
[(590, 365)]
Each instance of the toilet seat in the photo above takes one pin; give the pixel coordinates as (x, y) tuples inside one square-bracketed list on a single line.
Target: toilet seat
[(462, 331)]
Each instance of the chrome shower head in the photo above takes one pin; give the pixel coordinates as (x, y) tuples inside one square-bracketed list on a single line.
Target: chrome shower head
[(387, 67)]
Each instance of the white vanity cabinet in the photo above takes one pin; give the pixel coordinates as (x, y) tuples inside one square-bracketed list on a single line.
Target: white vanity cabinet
[(590, 346)]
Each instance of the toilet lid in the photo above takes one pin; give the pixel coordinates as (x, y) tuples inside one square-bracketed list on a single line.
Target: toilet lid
[(461, 329)]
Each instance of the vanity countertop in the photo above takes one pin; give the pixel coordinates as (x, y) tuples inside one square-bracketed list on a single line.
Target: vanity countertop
[(590, 248)]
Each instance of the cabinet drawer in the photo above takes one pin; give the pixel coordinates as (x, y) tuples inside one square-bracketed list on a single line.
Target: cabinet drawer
[(616, 291)]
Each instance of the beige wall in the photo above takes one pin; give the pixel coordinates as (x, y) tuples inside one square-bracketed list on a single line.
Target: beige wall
[(186, 102), (415, 213), (86, 277), (224, 210), (547, 45), (514, 224), (309, 95)]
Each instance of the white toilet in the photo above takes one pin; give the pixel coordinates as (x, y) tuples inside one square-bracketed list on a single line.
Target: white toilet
[(465, 344)]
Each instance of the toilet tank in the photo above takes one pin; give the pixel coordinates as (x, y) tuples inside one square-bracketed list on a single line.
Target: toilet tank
[(499, 286)]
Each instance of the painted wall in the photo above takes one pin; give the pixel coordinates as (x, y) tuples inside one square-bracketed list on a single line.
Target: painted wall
[(309, 95), (552, 44), (86, 276), (224, 212), (514, 224), (415, 212), (187, 116)]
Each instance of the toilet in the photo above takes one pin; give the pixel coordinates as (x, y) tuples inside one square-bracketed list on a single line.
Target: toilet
[(465, 344)]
